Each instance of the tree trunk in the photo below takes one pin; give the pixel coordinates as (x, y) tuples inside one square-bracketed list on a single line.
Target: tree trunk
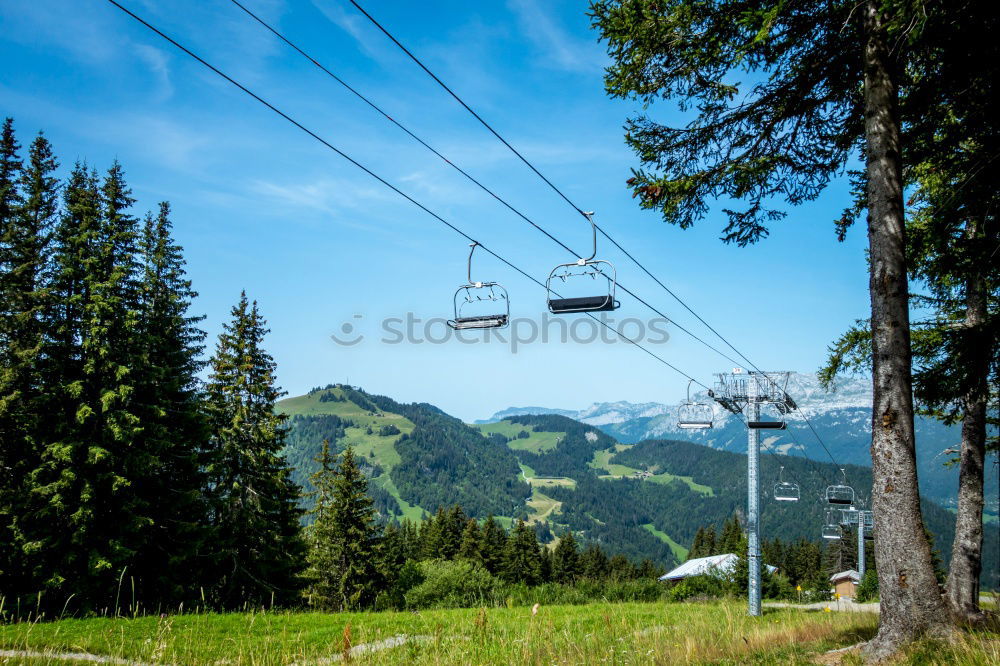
[(962, 589), (911, 601)]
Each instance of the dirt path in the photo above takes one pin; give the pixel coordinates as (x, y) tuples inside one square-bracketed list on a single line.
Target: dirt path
[(843, 605)]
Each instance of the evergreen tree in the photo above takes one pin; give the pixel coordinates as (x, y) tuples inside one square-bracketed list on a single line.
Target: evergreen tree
[(432, 536), (90, 520), (451, 532), (471, 542), (259, 549), (320, 535), (731, 538), (620, 568), (355, 537), (174, 435), (14, 432), (594, 563), (821, 87), (493, 546), (522, 562), (708, 542), (698, 545), (545, 564), (566, 560)]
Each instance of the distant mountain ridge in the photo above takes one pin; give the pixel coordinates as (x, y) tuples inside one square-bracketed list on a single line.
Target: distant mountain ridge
[(642, 500), (842, 418)]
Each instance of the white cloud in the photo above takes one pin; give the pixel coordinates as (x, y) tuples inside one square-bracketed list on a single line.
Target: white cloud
[(562, 50), (158, 62)]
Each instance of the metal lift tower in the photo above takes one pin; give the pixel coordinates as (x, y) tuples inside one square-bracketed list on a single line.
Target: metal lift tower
[(741, 391)]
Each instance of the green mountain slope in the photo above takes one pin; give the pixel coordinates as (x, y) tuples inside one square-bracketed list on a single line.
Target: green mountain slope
[(417, 457), (645, 499)]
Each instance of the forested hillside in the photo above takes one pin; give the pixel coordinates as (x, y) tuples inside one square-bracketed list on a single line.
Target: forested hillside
[(644, 500)]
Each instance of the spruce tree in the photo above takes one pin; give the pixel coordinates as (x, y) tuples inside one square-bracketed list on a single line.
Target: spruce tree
[(174, 433), (13, 451), (321, 534), (594, 563), (471, 542), (698, 545), (493, 546), (522, 562), (259, 549), (708, 542), (451, 532), (432, 536), (355, 538), (565, 560), (88, 520)]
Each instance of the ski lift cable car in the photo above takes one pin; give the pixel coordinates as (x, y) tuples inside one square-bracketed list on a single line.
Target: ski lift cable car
[(767, 425), (604, 302), (831, 527), (840, 493), (472, 293), (785, 491), (693, 415)]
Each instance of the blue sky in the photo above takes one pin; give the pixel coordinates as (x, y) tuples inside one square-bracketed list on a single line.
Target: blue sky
[(260, 206)]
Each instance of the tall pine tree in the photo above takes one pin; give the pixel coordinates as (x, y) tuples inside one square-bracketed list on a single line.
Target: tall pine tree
[(259, 550), (174, 432)]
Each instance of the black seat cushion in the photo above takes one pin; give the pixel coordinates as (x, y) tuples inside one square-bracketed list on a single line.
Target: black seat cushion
[(582, 304)]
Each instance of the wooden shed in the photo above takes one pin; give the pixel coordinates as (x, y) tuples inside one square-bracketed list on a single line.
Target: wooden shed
[(846, 583)]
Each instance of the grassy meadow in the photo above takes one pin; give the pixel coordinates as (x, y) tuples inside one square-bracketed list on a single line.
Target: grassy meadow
[(619, 633), (627, 633)]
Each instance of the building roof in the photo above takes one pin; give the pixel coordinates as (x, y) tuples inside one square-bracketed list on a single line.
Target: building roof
[(713, 564), (702, 566), (850, 574)]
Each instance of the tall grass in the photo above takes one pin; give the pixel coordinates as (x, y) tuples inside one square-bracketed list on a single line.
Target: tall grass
[(626, 633)]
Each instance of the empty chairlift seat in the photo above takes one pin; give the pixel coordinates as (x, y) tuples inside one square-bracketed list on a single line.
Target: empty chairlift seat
[(693, 415), (586, 285), (831, 526), (605, 303), (839, 494), (480, 305), (786, 492)]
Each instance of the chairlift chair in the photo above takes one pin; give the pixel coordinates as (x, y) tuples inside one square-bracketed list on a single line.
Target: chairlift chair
[(475, 303), (869, 521), (767, 425), (785, 491), (596, 269), (831, 526), (693, 415), (840, 493)]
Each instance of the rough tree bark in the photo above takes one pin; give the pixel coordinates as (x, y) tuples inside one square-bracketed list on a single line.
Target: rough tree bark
[(962, 589), (911, 604)]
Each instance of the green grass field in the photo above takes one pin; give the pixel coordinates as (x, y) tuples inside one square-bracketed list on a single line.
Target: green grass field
[(536, 442), (679, 551), (373, 447), (602, 461), (627, 633)]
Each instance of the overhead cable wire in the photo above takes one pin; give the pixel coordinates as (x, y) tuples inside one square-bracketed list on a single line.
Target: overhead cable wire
[(374, 175), (471, 178), (577, 208)]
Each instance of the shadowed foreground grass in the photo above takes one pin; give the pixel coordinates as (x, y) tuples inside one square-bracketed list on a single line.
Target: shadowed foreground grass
[(597, 633)]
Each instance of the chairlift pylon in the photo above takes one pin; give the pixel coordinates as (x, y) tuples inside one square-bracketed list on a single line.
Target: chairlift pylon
[(840, 493), (595, 268), (693, 415), (472, 297), (785, 491)]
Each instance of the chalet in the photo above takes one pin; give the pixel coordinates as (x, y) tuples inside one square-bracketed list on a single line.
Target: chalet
[(846, 583)]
